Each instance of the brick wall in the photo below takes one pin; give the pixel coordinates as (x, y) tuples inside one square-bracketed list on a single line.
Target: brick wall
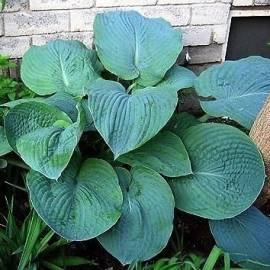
[(205, 23)]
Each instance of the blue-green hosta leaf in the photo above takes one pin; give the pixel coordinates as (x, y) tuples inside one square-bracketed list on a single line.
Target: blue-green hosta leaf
[(59, 66), (245, 238), (178, 78), (180, 122), (85, 201), (146, 223), (128, 121), (43, 136), (67, 104), (239, 89), (135, 47), (228, 172), (165, 153), (4, 145)]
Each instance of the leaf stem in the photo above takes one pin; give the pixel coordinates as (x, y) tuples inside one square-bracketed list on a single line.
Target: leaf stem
[(16, 186), (131, 87), (204, 118), (17, 163)]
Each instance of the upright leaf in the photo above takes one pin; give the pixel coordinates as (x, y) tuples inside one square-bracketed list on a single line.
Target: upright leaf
[(85, 201), (43, 136), (165, 153), (146, 223), (128, 121), (245, 238), (134, 47), (237, 89), (59, 66), (228, 172)]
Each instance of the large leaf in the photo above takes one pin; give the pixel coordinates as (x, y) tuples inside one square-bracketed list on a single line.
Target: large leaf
[(245, 238), (4, 145), (146, 223), (132, 46), (228, 172), (128, 121), (85, 201), (237, 89), (180, 122), (59, 66), (43, 136), (165, 153)]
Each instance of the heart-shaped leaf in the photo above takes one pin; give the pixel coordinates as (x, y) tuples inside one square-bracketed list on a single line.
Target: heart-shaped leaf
[(165, 153), (60, 66), (4, 145), (245, 238), (237, 89), (146, 223), (128, 121), (228, 172), (132, 46), (85, 201), (43, 136)]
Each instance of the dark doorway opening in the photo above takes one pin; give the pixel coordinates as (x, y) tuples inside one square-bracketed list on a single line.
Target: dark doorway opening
[(249, 36)]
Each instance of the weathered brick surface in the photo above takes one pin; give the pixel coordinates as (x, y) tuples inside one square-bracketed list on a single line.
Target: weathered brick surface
[(210, 14), (180, 2), (60, 4), (243, 2), (15, 5), (82, 20), (262, 2), (220, 33), (14, 47), (205, 54), (197, 35), (119, 3), (38, 22), (1, 25), (85, 37)]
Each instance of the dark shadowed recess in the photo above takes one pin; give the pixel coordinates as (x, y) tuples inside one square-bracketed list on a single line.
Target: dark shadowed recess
[(249, 36)]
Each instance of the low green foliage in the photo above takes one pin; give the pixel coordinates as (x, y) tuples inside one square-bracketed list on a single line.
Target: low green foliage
[(121, 180), (11, 89), (32, 245)]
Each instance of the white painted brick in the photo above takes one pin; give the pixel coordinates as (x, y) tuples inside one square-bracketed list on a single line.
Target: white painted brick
[(14, 47), (220, 33), (197, 35), (85, 37), (205, 54), (210, 14), (60, 4), (180, 2), (82, 20), (15, 5), (262, 2), (122, 3), (37, 22), (242, 2), (1, 25), (176, 15)]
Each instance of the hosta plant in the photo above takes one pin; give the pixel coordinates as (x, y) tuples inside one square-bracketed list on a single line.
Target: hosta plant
[(110, 157)]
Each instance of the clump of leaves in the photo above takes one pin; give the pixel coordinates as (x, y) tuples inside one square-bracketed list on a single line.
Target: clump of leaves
[(139, 159), (32, 245)]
